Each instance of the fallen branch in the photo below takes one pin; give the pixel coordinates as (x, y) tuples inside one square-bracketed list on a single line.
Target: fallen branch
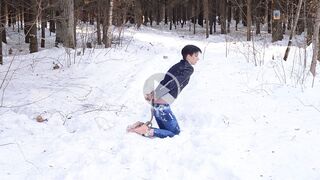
[(308, 105)]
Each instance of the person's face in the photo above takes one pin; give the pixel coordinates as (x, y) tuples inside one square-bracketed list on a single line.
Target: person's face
[(193, 59)]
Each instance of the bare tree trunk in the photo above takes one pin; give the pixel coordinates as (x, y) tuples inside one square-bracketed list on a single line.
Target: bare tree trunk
[(158, 12), (98, 23), (193, 15), (65, 32), (293, 30), (3, 21), (211, 15), (21, 15), (52, 23), (68, 12), (138, 13), (315, 43), (215, 12), (237, 14), (308, 25), (43, 25), (1, 29), (249, 20), (269, 12), (277, 33), (206, 15), (170, 13), (109, 33), (165, 12), (258, 15), (105, 22), (33, 26), (223, 16), (27, 21), (229, 9)]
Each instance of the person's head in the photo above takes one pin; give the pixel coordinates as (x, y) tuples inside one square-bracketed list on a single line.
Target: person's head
[(190, 53)]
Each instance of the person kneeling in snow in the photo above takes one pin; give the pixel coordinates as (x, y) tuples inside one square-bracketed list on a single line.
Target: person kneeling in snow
[(169, 88)]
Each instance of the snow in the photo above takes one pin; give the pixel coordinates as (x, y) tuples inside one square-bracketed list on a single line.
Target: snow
[(237, 120)]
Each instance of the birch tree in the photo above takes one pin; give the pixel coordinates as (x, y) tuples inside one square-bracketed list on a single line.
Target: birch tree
[(109, 29), (293, 31)]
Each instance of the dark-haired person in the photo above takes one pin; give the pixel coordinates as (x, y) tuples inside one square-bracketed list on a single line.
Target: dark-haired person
[(169, 88)]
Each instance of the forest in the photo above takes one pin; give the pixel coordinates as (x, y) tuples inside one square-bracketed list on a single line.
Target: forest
[(61, 17), (73, 77)]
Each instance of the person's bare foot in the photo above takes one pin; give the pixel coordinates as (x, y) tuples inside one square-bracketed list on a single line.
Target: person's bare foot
[(144, 130), (130, 128)]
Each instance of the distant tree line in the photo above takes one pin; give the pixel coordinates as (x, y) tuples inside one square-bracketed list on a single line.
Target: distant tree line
[(61, 17)]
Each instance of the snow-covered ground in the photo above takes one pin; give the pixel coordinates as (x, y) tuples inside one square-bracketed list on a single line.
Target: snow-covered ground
[(237, 120)]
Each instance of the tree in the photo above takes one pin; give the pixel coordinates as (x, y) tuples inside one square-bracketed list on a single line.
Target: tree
[(315, 42), (249, 19), (277, 32), (212, 15), (229, 14), (65, 23), (223, 16), (206, 15), (33, 26), (293, 31), (43, 24), (109, 29), (99, 22), (3, 20), (69, 38), (1, 29), (107, 23)]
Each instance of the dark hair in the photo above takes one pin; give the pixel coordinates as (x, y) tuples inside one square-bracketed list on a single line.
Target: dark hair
[(189, 49)]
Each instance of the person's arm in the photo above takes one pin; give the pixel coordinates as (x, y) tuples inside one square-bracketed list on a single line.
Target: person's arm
[(149, 97), (162, 90)]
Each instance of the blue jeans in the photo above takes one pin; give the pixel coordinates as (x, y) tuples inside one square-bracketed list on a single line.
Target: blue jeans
[(167, 122)]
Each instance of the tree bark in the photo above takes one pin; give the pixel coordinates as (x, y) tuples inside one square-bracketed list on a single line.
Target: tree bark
[(237, 14), (158, 12), (137, 13), (223, 16), (293, 31), (229, 9), (98, 23), (33, 27), (206, 15), (69, 40), (43, 25), (52, 23), (277, 33), (211, 15), (65, 32), (1, 29), (315, 42), (269, 12), (258, 15), (3, 22), (109, 29), (249, 20)]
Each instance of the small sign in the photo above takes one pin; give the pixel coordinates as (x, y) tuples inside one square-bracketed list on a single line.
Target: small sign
[(276, 14)]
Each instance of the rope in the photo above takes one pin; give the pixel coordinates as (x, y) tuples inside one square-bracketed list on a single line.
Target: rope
[(149, 123)]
